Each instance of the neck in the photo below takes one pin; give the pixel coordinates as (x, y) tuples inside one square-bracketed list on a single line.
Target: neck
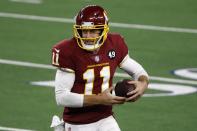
[(95, 51)]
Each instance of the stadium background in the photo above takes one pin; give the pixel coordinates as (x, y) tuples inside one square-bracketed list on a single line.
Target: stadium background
[(27, 106)]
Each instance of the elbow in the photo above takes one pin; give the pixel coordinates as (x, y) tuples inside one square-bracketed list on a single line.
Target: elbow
[(61, 98), (59, 101), (141, 73), (64, 100)]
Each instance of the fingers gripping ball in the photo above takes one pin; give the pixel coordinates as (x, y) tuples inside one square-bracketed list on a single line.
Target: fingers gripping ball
[(122, 88)]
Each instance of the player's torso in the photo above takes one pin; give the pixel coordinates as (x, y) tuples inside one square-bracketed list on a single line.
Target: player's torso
[(93, 74)]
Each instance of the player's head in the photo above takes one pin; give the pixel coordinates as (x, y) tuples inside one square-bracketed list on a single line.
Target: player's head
[(91, 27)]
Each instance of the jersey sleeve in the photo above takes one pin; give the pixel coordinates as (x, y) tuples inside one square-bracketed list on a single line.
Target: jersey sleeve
[(62, 58), (123, 49)]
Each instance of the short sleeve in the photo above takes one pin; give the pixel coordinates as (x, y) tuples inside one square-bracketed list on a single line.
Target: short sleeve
[(62, 59), (123, 49)]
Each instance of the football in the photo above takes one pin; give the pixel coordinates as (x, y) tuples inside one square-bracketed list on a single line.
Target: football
[(122, 88)]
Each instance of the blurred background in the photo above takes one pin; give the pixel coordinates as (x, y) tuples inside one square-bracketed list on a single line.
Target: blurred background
[(161, 35)]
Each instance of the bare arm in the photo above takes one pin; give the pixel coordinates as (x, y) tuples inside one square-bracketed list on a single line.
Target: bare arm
[(105, 98)]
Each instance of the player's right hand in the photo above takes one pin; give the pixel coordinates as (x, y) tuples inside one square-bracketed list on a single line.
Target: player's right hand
[(106, 98)]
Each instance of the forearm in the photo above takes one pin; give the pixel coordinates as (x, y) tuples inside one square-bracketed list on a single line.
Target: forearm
[(69, 99), (104, 98), (133, 68), (90, 100)]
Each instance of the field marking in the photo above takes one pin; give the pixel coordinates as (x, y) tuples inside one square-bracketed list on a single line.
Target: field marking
[(119, 25), (190, 73), (171, 80), (28, 1), (44, 66), (171, 89), (26, 64), (13, 129)]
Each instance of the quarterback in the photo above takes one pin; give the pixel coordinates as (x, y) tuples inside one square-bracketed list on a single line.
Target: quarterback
[(86, 65)]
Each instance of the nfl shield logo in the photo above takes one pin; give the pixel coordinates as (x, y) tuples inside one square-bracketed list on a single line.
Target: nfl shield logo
[(96, 58)]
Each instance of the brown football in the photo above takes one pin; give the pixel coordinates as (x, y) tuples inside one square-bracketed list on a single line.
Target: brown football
[(122, 88)]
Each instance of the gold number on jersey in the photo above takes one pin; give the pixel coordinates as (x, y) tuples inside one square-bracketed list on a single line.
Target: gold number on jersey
[(55, 58), (89, 76), (105, 74)]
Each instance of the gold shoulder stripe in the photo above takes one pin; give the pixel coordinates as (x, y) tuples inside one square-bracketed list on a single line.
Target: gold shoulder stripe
[(96, 65)]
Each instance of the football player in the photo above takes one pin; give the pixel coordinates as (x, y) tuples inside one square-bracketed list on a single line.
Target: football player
[(86, 66)]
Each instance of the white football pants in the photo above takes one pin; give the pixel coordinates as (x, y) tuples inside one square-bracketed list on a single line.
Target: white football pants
[(106, 124)]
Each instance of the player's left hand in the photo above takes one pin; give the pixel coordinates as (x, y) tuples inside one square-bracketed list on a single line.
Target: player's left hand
[(138, 92)]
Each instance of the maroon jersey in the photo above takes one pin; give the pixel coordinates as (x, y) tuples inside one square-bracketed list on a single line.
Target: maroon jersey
[(93, 73)]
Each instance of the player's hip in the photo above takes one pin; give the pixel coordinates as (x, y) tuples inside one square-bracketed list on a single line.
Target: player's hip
[(105, 124)]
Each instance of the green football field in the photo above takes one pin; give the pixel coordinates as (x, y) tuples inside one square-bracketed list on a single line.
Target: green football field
[(160, 34)]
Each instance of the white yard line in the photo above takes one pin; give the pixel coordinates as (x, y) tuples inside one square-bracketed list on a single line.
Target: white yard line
[(44, 66), (25, 64), (156, 78), (28, 1), (156, 28), (119, 25), (12, 129)]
